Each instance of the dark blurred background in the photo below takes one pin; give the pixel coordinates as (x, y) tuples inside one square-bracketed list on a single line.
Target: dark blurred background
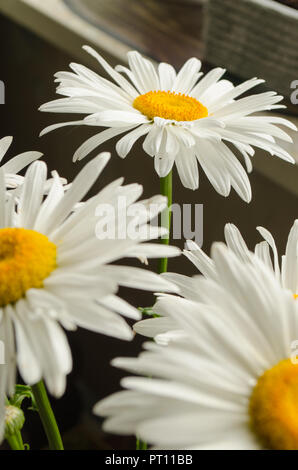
[(167, 31)]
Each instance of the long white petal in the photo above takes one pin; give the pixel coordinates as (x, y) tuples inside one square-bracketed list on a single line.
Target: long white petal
[(125, 144), (5, 143)]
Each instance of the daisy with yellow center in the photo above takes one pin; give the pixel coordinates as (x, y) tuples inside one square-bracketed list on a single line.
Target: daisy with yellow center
[(55, 270), (186, 118), (231, 381)]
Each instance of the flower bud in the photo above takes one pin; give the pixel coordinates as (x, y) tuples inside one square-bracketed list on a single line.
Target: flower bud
[(14, 420)]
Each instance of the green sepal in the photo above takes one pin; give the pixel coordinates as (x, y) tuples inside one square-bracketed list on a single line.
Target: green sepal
[(148, 311), (22, 392)]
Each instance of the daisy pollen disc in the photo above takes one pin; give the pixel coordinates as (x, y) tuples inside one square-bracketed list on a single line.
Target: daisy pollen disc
[(273, 407), (27, 257), (170, 105)]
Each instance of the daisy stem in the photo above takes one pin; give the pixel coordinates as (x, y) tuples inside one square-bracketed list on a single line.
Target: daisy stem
[(141, 445), (166, 190), (47, 416), (15, 442), (20, 439)]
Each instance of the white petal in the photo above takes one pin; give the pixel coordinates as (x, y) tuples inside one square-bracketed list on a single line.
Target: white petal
[(112, 118), (164, 159), (197, 256), (213, 166), (120, 306), (145, 75), (187, 167), (53, 127), (77, 191), (187, 76), (167, 76), (239, 178), (115, 75), (3, 207), (270, 240), (207, 81), (5, 143), (16, 164), (95, 141), (32, 193), (125, 144), (28, 363), (138, 278), (154, 326), (236, 242), (101, 320), (289, 268)]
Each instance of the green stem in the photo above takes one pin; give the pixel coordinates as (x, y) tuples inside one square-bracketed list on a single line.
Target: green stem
[(141, 445), (20, 439), (166, 190), (47, 416), (15, 442)]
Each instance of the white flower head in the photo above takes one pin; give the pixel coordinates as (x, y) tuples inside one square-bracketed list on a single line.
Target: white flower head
[(55, 270), (187, 119), (231, 382)]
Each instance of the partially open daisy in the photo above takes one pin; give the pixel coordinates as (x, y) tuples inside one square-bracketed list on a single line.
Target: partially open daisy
[(54, 268), (165, 330), (16, 164), (186, 121), (232, 382)]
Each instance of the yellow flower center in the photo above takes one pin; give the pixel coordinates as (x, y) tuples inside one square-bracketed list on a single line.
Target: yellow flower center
[(295, 296), (26, 259), (274, 407), (169, 105)]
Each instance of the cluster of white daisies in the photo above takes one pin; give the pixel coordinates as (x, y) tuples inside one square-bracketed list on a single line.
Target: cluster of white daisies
[(220, 372)]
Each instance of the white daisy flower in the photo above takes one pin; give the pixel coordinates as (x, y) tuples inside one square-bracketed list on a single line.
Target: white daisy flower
[(165, 330), (232, 382), (186, 119), (12, 167), (55, 271)]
